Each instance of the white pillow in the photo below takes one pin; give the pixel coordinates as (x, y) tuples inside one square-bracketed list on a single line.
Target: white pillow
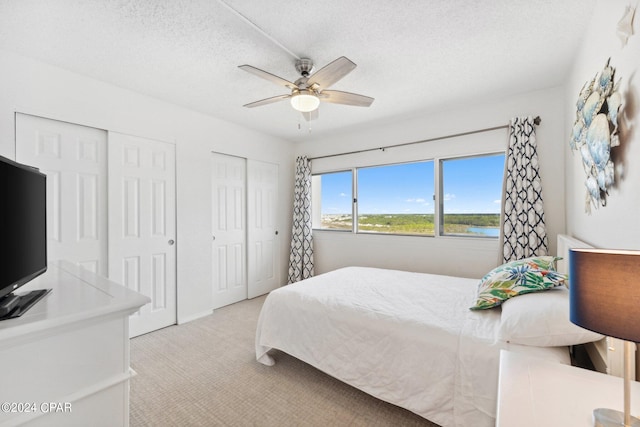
[(542, 319)]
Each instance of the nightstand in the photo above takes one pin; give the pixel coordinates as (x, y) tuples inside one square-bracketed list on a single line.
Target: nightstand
[(533, 392)]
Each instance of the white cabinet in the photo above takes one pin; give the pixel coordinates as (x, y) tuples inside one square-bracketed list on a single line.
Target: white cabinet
[(66, 360)]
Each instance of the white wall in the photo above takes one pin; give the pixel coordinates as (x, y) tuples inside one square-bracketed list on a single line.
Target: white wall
[(616, 225), (32, 87), (469, 257)]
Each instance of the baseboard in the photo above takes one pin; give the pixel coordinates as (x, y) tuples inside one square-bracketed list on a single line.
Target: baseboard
[(191, 318)]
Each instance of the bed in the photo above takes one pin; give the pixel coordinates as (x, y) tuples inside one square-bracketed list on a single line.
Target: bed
[(410, 338)]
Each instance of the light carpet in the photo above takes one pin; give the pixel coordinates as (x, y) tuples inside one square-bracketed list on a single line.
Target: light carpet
[(204, 373)]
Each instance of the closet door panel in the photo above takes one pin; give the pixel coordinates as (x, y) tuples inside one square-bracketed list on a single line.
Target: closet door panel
[(142, 226), (229, 233), (262, 233), (75, 161)]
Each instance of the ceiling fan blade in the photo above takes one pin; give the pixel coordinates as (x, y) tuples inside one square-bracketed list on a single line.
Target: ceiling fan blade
[(268, 76), (267, 101), (312, 115), (347, 98), (331, 73)]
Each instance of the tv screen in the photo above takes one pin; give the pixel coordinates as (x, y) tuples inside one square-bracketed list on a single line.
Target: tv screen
[(23, 219)]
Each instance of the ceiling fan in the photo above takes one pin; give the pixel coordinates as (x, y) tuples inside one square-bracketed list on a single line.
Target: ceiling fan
[(309, 90)]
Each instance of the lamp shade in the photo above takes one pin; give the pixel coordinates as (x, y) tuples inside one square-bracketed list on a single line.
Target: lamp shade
[(604, 291), (304, 101)]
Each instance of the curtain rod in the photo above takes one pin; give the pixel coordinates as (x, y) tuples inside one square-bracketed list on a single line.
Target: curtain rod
[(537, 120)]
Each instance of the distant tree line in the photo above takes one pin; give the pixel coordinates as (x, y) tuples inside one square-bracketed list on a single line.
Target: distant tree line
[(476, 220), (412, 223)]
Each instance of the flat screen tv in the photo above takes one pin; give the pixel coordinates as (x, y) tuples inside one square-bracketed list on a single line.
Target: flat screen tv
[(23, 219)]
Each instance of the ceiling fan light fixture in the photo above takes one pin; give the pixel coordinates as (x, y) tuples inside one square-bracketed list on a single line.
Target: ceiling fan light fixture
[(304, 101)]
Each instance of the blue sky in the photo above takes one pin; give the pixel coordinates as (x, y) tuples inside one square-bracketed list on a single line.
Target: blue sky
[(471, 185)]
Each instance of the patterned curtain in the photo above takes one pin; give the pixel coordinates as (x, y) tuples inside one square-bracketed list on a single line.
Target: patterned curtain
[(301, 257), (523, 227)]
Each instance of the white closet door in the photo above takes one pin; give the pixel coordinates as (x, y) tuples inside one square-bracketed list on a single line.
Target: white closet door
[(74, 159), (142, 226), (228, 186), (263, 241)]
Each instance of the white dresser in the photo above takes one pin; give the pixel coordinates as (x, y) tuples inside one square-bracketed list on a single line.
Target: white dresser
[(534, 392), (65, 362)]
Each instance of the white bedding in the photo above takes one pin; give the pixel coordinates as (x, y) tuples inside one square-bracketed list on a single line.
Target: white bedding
[(406, 338)]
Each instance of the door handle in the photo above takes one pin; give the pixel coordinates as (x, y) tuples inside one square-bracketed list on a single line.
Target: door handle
[(171, 242)]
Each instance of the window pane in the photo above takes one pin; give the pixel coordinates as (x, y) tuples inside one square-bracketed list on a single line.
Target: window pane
[(396, 199), (471, 195), (332, 201)]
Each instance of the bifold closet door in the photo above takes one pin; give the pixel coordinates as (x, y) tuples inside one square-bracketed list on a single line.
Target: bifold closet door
[(142, 226), (74, 158)]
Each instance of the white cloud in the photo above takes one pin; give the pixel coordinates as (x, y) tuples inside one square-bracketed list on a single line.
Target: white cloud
[(497, 202), (449, 196), (343, 195)]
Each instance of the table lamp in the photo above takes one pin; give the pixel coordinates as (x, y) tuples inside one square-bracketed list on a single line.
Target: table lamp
[(604, 295)]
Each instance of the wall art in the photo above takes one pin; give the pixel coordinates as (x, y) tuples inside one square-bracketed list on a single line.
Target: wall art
[(595, 132)]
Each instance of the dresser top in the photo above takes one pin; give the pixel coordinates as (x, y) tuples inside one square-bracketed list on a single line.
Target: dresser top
[(77, 295)]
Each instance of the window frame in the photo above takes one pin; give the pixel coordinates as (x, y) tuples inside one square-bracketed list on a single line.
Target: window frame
[(438, 201), (356, 229), (318, 197), (440, 192)]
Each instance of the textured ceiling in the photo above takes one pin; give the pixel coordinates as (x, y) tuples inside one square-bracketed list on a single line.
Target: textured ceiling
[(413, 56)]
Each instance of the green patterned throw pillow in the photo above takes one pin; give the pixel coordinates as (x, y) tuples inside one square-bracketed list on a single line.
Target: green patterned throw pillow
[(517, 278)]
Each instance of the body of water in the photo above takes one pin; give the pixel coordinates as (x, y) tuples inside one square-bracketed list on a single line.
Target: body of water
[(487, 231)]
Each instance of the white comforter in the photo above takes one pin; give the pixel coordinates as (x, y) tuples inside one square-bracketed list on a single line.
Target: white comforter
[(406, 338)]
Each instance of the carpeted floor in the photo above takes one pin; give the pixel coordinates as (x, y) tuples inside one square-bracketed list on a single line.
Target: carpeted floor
[(204, 373)]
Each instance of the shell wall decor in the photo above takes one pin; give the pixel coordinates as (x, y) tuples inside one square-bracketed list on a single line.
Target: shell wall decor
[(595, 132)]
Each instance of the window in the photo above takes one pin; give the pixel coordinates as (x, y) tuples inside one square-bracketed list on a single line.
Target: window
[(332, 193), (471, 195), (396, 199), (400, 198)]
